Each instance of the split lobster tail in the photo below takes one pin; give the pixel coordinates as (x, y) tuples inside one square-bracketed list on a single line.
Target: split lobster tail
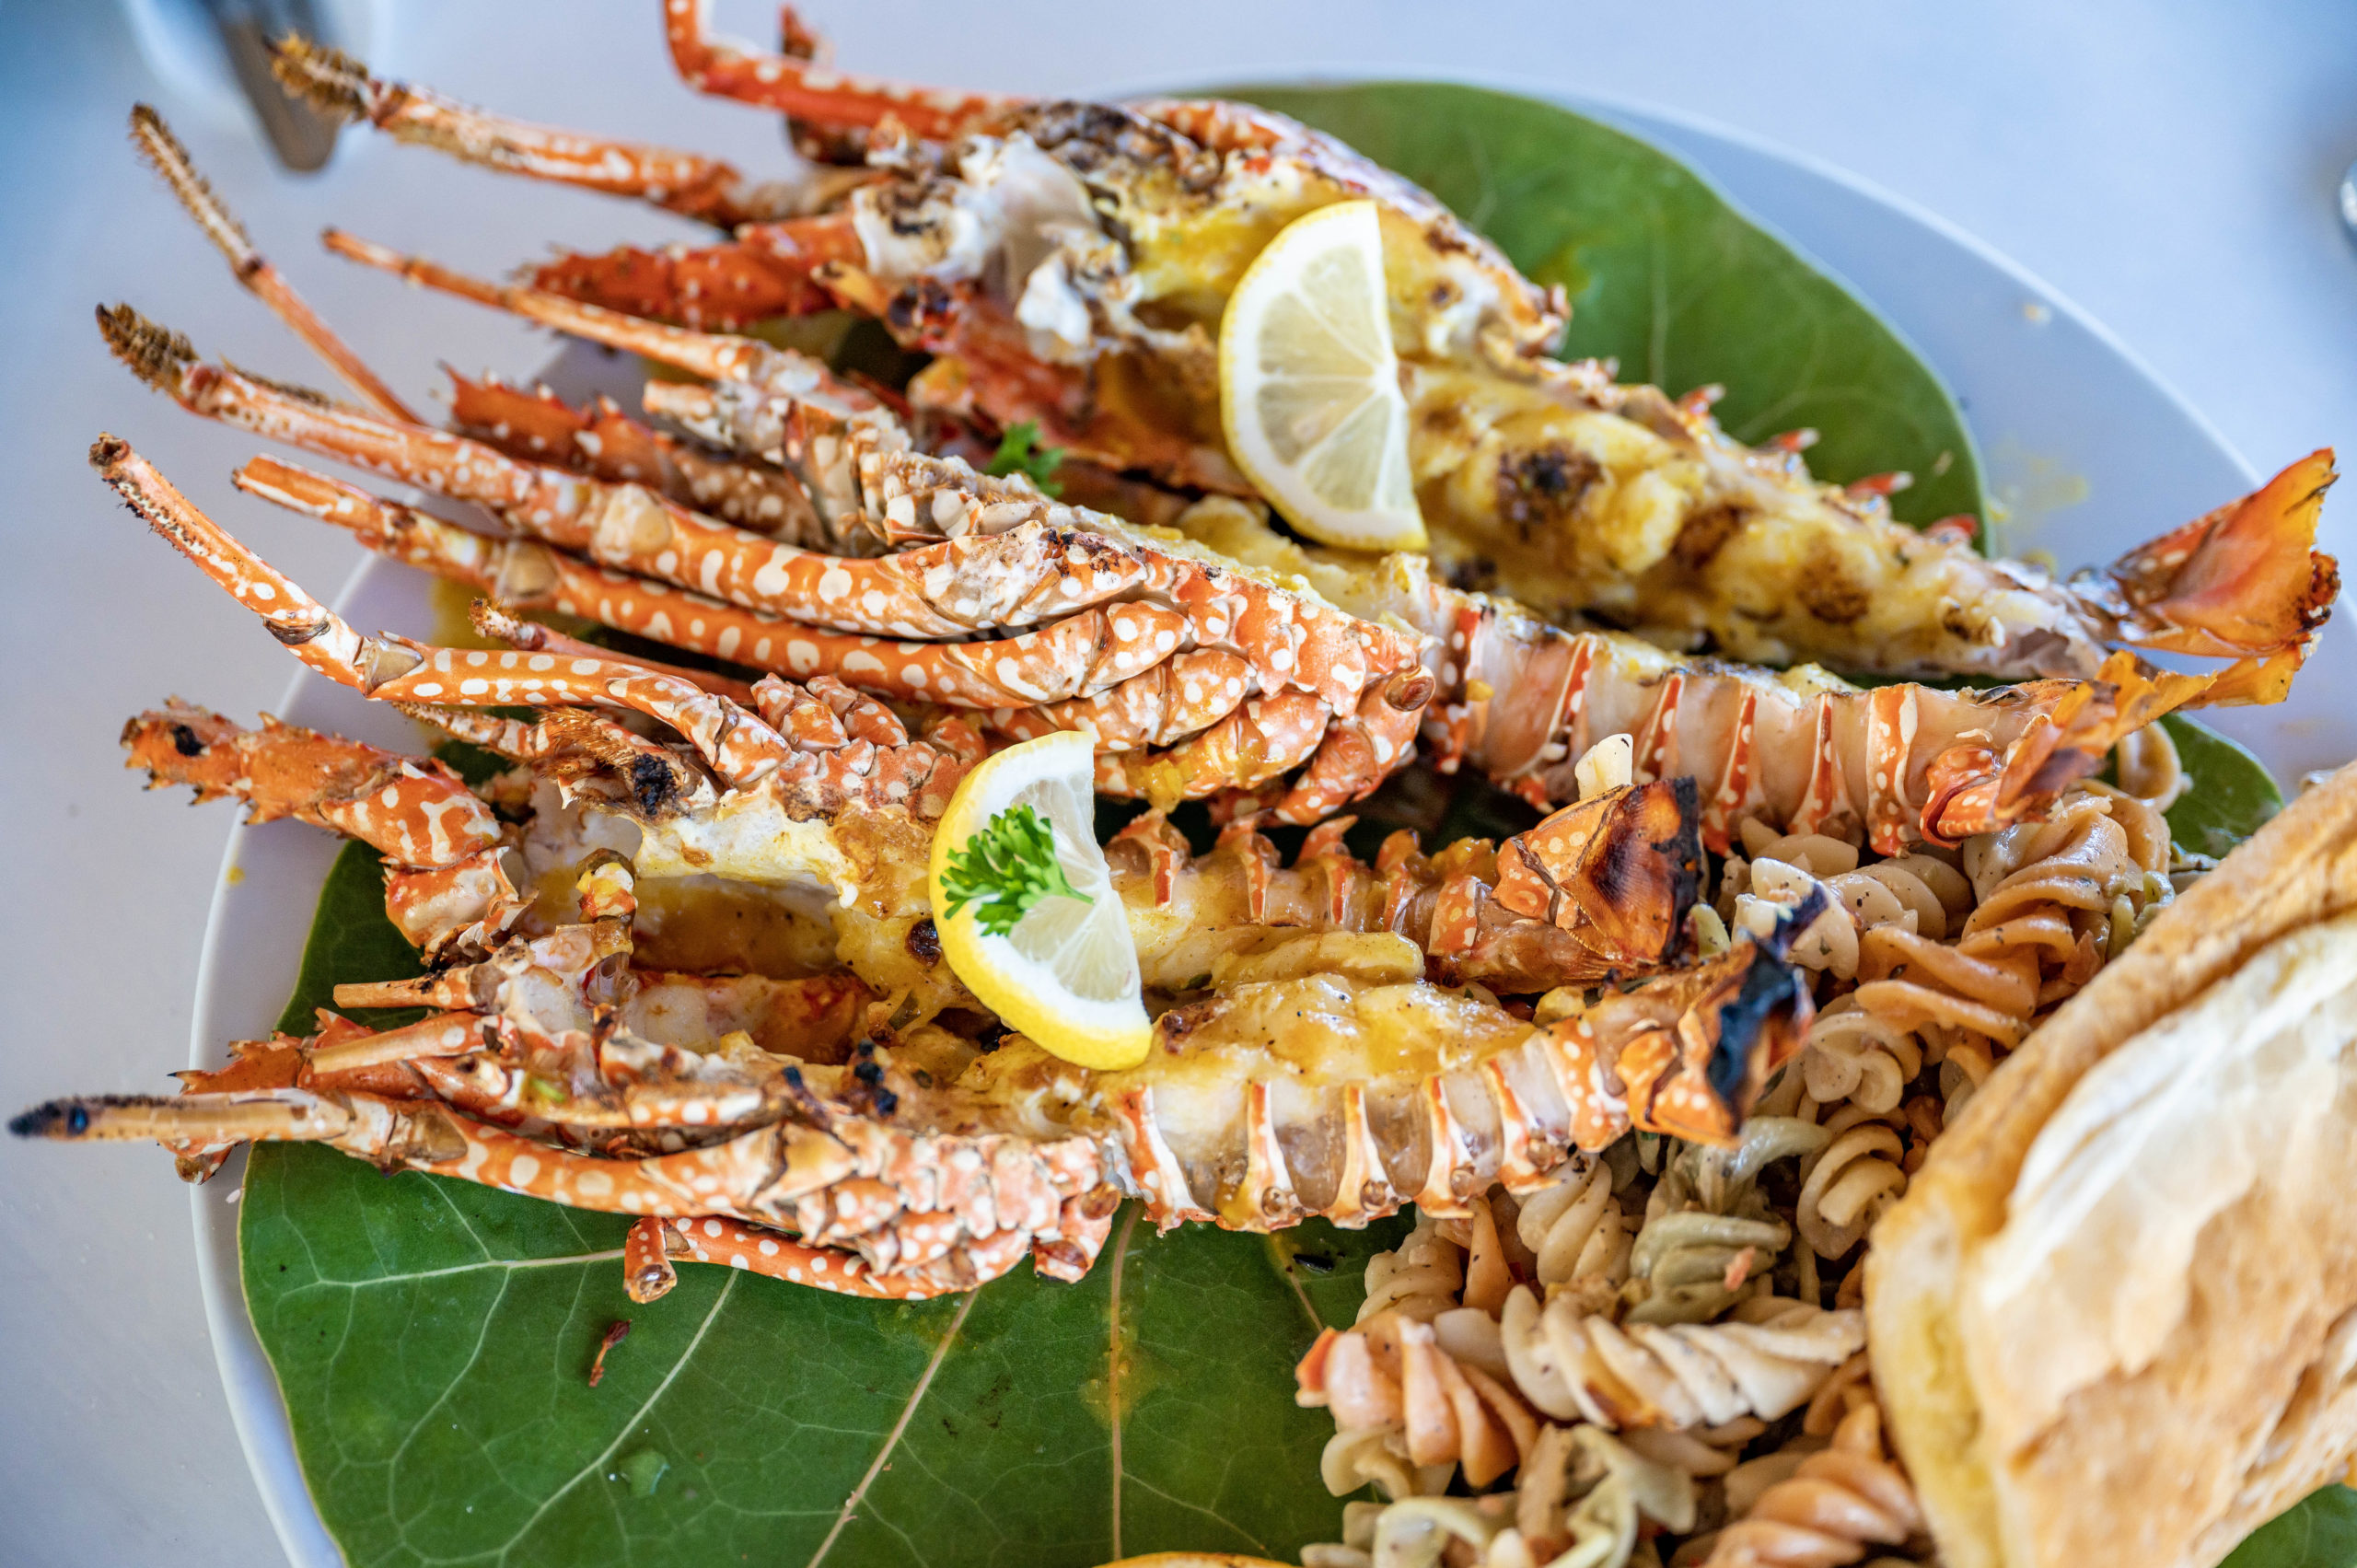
[(2245, 582)]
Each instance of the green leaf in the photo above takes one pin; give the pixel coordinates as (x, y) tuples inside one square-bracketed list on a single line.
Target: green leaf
[(2231, 796), (352, 940), (1004, 870), (2320, 1532), (1667, 277), (433, 1340), (1019, 452)]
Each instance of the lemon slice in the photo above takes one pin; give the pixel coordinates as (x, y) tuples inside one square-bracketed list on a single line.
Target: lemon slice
[(1066, 971), (1309, 388)]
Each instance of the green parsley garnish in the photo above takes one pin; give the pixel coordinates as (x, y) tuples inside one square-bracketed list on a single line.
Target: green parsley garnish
[(1004, 870), (1019, 452)]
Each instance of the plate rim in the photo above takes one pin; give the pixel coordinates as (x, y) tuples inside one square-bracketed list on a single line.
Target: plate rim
[(250, 1383)]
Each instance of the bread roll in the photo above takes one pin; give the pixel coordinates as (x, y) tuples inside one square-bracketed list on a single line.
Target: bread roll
[(2113, 1321)]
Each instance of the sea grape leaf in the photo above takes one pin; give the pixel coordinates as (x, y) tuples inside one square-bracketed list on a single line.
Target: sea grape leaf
[(2231, 796), (1667, 277), (433, 1342), (2319, 1532)]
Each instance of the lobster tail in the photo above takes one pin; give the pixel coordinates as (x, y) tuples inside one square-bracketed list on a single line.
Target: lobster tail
[(2244, 580), (1323, 1096)]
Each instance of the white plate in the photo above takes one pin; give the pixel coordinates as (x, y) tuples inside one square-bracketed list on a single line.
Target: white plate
[(2092, 452)]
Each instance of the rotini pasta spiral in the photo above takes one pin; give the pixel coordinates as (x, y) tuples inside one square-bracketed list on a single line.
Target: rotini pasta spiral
[(1575, 1231), (1850, 1054), (1849, 1051), (1708, 1239), (2147, 766), (1420, 1278), (1378, 1455), (1391, 1375), (2043, 921), (1847, 1184), (1834, 1506), (1580, 1502), (1765, 1362)]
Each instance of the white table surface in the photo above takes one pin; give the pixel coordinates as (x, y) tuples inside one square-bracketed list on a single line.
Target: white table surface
[(2167, 166)]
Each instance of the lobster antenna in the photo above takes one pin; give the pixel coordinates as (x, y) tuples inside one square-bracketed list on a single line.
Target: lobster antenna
[(157, 354), (163, 154), (326, 77)]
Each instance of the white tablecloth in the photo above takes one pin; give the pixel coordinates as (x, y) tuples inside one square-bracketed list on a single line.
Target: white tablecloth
[(2168, 167)]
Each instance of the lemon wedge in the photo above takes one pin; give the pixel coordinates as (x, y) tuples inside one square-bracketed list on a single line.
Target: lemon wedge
[(1309, 386), (1037, 931)]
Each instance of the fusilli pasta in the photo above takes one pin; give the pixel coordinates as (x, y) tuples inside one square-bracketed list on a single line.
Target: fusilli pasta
[(1833, 1506), (1765, 1362), (1420, 1278), (1581, 1500), (1391, 1375), (1708, 1239), (1616, 1344), (1575, 1230), (1847, 1184)]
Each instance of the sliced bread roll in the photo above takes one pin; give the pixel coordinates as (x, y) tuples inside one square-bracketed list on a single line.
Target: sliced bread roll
[(2113, 1321)]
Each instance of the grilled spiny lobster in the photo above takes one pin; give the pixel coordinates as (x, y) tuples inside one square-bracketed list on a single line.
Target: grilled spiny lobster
[(1068, 263), (912, 1163), (1214, 658)]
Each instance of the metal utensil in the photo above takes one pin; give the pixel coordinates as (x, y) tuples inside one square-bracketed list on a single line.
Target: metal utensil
[(298, 134), (2349, 200)]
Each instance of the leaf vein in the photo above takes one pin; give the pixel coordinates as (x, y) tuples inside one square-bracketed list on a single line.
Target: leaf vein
[(892, 1438), (608, 1254), (640, 1414)]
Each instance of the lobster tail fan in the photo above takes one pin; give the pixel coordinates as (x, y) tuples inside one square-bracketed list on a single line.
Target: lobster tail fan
[(2245, 579)]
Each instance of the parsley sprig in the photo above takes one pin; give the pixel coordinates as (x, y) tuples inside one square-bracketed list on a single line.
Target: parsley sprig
[(1004, 870), (1019, 452)]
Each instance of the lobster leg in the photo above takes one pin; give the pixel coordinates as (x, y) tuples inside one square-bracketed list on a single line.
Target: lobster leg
[(168, 158), (1017, 578), (490, 620), (606, 444), (1077, 656), (757, 1250), (769, 270), (737, 745), (862, 1190), (715, 356), (687, 183), (414, 811), (728, 69)]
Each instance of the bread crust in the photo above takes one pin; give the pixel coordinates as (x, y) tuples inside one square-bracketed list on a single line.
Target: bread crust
[(2249, 1402)]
